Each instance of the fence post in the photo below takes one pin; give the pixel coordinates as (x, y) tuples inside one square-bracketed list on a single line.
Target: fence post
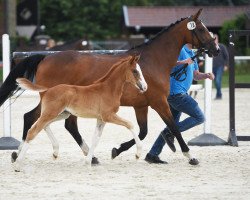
[(207, 138), (7, 142)]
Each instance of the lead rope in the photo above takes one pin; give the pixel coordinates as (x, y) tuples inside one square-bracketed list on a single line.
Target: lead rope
[(183, 70)]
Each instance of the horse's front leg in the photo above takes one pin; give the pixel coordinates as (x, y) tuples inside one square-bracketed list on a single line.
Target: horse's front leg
[(95, 139), (141, 116), (71, 126), (163, 109), (114, 118)]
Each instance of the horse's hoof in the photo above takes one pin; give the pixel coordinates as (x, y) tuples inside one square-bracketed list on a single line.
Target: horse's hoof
[(95, 161), (13, 156), (137, 156), (193, 161), (114, 153)]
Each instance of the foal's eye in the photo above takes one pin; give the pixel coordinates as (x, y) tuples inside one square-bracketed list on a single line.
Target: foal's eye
[(134, 71)]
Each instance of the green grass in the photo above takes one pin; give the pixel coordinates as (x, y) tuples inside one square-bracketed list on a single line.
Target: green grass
[(1, 75), (239, 78)]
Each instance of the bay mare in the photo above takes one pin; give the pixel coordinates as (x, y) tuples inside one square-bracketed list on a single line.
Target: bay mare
[(158, 57), (100, 100)]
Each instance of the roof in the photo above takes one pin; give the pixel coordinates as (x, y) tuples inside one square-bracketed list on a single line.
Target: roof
[(163, 16)]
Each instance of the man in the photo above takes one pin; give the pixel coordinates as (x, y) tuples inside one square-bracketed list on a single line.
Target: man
[(180, 102), (220, 64)]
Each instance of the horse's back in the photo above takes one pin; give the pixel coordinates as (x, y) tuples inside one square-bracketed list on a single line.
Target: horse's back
[(72, 67)]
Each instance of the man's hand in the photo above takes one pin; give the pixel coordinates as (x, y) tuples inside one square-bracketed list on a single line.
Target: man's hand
[(210, 76), (189, 61)]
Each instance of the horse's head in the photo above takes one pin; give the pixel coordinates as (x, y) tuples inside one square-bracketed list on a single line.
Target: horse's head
[(199, 35), (134, 74)]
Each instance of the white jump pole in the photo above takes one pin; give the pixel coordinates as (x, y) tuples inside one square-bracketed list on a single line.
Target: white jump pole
[(7, 142), (6, 71), (208, 95), (207, 138)]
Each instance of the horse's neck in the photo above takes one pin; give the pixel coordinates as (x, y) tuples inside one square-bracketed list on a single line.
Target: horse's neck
[(165, 48)]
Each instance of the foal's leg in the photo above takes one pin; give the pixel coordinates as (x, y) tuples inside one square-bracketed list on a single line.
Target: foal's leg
[(32, 133), (118, 120), (53, 140), (29, 119), (95, 139), (141, 116)]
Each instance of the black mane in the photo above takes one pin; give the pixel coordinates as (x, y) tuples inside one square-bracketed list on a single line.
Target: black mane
[(158, 34)]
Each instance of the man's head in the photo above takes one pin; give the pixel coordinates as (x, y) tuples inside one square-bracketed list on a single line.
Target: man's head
[(216, 38)]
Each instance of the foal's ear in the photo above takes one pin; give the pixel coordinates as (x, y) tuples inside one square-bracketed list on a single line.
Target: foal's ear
[(134, 58), (195, 17), (137, 58)]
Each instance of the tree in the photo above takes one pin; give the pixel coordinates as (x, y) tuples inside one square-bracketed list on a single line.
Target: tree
[(236, 24), (99, 19)]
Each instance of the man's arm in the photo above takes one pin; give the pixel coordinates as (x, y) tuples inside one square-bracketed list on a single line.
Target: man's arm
[(186, 61), (201, 76)]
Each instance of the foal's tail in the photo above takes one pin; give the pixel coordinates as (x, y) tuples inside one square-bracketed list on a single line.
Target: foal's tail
[(28, 85), (26, 68)]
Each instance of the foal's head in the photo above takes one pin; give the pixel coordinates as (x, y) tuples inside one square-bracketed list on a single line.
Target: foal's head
[(134, 73), (199, 36)]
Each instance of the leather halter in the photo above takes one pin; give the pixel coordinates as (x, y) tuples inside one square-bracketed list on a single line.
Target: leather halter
[(204, 44)]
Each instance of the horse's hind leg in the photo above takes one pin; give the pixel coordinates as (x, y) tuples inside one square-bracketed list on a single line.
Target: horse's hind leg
[(29, 119), (71, 126), (141, 116), (53, 140), (118, 120), (95, 139)]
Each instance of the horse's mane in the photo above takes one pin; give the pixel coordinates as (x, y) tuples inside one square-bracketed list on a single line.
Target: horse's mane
[(159, 33), (113, 68)]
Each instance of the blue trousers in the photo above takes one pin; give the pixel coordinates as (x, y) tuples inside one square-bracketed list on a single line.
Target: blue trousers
[(218, 72), (180, 103)]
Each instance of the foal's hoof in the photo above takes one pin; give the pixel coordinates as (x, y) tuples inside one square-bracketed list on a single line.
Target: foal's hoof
[(13, 156), (55, 156), (114, 153), (193, 161), (95, 161), (16, 166)]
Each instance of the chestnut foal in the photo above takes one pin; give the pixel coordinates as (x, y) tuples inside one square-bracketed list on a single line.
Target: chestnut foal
[(100, 100)]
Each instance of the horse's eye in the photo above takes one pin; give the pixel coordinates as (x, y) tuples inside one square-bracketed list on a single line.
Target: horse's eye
[(134, 71)]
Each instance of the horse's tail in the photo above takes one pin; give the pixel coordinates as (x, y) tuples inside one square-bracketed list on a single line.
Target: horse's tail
[(26, 68), (28, 85)]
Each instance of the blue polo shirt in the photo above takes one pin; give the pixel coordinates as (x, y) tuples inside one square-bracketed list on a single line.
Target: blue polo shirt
[(177, 87)]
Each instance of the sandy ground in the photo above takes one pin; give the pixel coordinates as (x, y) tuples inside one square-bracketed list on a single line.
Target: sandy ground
[(223, 172)]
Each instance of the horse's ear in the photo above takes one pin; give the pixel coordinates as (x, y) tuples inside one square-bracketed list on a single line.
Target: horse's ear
[(195, 17)]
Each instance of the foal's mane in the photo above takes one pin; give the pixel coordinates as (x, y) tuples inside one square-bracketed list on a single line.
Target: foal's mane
[(113, 68), (159, 33)]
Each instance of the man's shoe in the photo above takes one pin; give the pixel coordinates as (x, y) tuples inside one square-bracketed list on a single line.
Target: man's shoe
[(154, 159), (169, 139), (218, 98)]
